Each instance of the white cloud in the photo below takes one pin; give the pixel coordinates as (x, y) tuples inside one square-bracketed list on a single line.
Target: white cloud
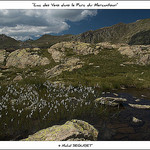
[(24, 24)]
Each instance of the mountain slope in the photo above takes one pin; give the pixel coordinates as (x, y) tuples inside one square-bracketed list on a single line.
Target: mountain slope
[(48, 40), (8, 43), (142, 38), (119, 33)]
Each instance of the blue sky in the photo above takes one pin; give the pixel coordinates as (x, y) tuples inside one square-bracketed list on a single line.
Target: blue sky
[(106, 18), (25, 24)]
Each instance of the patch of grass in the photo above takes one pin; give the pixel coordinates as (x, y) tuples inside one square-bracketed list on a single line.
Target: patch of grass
[(69, 52), (26, 108), (107, 72)]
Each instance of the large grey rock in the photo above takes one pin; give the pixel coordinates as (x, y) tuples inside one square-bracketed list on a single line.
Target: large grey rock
[(144, 59), (23, 58), (69, 65), (126, 50), (74, 130), (56, 54), (60, 50), (107, 45), (140, 53), (110, 101)]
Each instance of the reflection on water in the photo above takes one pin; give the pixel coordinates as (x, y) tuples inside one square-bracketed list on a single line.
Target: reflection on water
[(122, 127)]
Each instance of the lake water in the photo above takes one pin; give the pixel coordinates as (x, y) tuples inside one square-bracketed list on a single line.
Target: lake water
[(121, 126)]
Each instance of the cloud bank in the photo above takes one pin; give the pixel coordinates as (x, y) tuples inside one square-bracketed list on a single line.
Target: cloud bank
[(25, 24)]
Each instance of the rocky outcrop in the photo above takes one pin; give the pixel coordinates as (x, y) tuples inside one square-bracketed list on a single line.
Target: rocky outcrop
[(110, 101), (69, 65), (56, 55), (25, 57), (2, 56), (127, 50), (135, 50), (144, 59), (109, 46), (74, 130), (63, 49), (141, 53)]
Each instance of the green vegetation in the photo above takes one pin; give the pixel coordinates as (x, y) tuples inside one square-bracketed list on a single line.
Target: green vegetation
[(141, 38), (108, 71), (37, 102), (48, 40), (27, 108), (69, 52), (8, 43), (34, 103)]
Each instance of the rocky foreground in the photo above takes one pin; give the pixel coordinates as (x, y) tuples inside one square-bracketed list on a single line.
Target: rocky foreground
[(74, 130), (78, 130)]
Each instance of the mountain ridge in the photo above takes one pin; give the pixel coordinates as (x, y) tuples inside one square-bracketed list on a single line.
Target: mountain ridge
[(118, 33)]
